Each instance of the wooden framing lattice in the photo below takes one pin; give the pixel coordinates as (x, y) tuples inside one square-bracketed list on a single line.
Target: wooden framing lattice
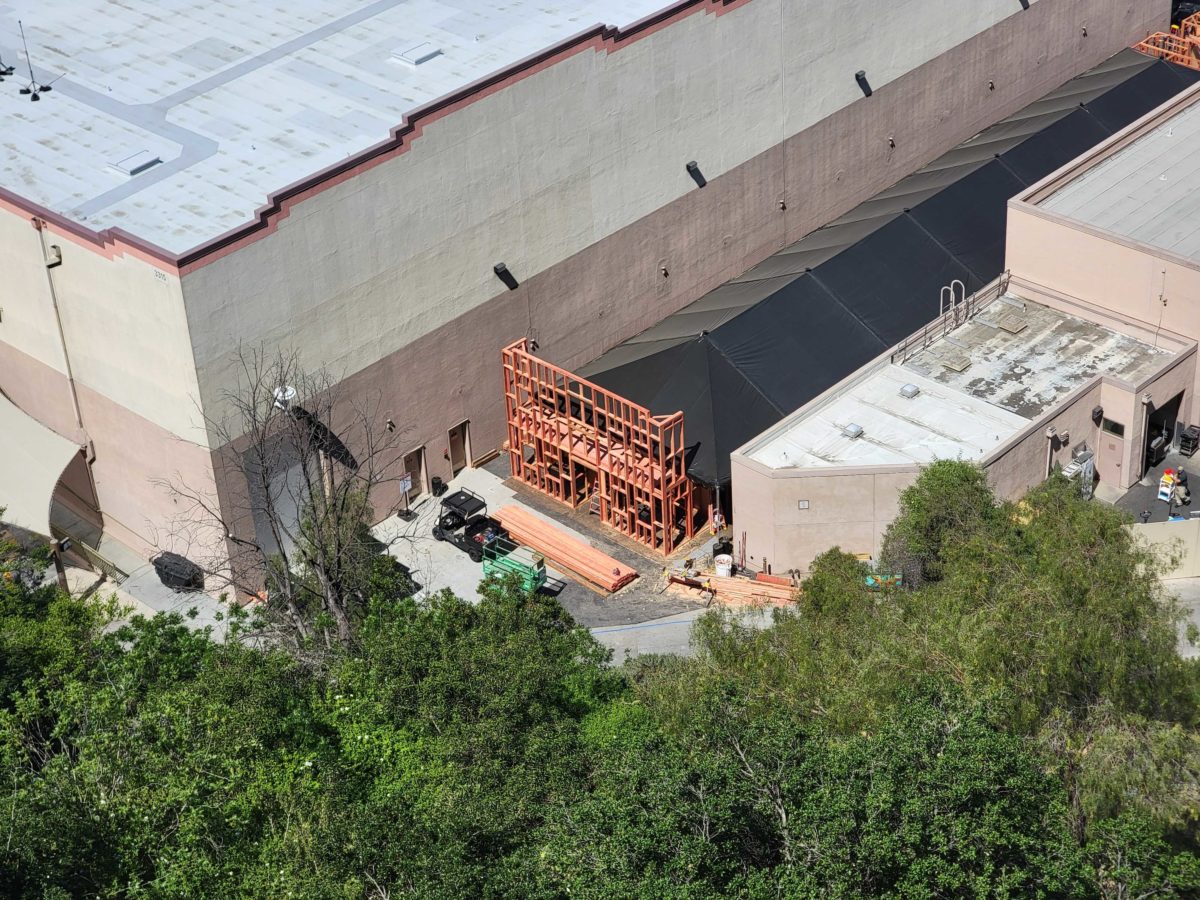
[(578, 443), (1181, 46)]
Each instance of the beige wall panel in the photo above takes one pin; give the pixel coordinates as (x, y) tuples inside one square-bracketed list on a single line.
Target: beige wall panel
[(133, 456), (27, 323), (123, 322), (1173, 539)]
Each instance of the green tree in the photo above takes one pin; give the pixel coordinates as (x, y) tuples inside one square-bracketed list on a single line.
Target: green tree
[(735, 802)]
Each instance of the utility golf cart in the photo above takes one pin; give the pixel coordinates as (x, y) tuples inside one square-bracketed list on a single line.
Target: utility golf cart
[(464, 522)]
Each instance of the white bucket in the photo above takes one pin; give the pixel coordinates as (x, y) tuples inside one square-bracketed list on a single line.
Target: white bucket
[(724, 564)]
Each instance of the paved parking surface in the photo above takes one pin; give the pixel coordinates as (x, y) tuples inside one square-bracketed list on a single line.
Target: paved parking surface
[(437, 565)]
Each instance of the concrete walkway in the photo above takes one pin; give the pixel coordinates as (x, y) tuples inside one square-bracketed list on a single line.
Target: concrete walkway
[(142, 594), (1188, 592)]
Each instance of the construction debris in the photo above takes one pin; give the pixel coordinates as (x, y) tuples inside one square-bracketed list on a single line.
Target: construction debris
[(737, 591)]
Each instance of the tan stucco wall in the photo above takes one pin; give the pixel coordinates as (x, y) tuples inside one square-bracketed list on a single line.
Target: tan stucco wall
[(1179, 540), (123, 320), (1025, 462), (847, 510), (564, 176), (127, 338), (133, 456), (1126, 279)]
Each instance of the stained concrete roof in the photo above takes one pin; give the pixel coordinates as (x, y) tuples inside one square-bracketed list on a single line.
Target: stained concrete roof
[(1145, 191), (979, 385), (1029, 371), (238, 99)]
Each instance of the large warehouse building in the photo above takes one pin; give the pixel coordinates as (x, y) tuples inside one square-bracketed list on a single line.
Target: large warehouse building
[(344, 180)]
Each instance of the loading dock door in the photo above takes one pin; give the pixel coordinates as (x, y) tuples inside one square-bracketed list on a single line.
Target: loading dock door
[(460, 447), (1112, 452)]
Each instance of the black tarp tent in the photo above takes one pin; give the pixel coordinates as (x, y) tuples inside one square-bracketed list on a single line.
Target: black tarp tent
[(744, 356)]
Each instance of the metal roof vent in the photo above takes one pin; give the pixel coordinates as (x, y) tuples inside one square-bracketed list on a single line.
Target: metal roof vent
[(909, 391), (957, 362), (136, 163), (414, 56), (1013, 323), (852, 431)]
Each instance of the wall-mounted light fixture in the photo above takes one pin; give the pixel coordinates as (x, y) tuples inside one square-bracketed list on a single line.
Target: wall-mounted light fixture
[(861, 77), (1147, 398), (53, 256), (285, 395), (1097, 414), (390, 424), (693, 169), (505, 276)]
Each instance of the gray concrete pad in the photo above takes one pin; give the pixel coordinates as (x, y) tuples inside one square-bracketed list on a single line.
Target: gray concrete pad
[(667, 635), (1188, 592), (146, 595), (436, 565)]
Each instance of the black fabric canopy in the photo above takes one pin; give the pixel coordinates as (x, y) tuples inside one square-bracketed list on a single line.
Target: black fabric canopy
[(752, 351)]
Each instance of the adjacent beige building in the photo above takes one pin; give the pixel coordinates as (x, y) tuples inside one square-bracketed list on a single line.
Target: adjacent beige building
[(1085, 350)]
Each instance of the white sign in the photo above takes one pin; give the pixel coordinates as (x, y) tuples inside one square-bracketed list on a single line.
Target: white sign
[(406, 482)]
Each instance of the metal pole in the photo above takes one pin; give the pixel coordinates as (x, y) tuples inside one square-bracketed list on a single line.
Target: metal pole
[(62, 337)]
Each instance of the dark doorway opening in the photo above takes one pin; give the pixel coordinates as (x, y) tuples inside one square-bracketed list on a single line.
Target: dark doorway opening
[(1160, 430)]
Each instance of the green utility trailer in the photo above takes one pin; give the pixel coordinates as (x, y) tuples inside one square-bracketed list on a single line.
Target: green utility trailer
[(503, 557)]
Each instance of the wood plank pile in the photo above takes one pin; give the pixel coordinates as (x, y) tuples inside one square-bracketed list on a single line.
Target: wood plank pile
[(564, 551), (783, 580), (739, 591)]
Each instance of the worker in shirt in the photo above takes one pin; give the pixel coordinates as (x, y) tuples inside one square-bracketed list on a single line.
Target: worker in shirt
[(1180, 493)]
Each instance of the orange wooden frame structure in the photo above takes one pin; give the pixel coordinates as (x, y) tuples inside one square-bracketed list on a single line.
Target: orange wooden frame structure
[(1181, 46), (578, 443)]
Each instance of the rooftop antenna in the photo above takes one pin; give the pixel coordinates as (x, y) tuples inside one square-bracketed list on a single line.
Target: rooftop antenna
[(33, 88)]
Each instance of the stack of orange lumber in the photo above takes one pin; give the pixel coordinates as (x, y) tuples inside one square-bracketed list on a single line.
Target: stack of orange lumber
[(563, 550), (782, 580), (739, 591)]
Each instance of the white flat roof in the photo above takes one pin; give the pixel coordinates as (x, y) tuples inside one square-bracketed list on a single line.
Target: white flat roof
[(979, 385), (238, 99), (1144, 191), (939, 423)]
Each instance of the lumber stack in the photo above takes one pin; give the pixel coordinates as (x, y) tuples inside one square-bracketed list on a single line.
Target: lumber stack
[(781, 580), (740, 591), (564, 551)]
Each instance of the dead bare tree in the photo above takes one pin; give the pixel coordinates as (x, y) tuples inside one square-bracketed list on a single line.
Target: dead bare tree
[(299, 468)]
